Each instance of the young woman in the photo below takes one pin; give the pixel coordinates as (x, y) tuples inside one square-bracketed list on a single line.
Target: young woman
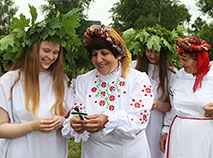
[(34, 96), (156, 66), (116, 98)]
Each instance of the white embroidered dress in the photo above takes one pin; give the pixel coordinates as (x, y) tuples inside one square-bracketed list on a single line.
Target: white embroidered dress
[(35, 144), (191, 134), (127, 102), (155, 125)]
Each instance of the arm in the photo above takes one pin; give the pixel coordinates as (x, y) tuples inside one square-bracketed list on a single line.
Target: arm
[(132, 118), (46, 125), (162, 106), (208, 110), (163, 142)]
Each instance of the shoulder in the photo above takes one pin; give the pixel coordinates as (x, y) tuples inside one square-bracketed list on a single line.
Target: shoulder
[(9, 76), (137, 76), (87, 75)]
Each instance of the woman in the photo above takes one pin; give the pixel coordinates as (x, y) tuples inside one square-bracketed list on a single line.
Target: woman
[(191, 133), (155, 62), (116, 98), (34, 99), (156, 66)]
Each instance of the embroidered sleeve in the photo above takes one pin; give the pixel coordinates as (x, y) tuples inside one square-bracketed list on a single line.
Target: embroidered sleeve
[(133, 119), (78, 102)]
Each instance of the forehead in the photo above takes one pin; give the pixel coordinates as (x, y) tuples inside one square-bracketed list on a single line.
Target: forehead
[(50, 44)]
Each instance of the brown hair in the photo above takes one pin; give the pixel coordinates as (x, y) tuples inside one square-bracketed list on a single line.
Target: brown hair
[(142, 65), (29, 64)]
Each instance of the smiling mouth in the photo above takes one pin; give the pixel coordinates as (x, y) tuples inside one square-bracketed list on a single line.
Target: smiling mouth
[(101, 65)]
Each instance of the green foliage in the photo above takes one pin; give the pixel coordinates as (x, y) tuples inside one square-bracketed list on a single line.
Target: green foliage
[(82, 63), (206, 33), (138, 39), (139, 14), (25, 32), (197, 26), (74, 149), (7, 10), (206, 6)]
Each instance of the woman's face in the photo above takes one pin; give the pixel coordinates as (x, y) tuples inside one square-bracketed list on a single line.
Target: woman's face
[(189, 65), (152, 55), (104, 61), (48, 52)]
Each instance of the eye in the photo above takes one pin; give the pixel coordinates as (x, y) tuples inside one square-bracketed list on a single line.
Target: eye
[(46, 50), (56, 52), (94, 54), (104, 53)]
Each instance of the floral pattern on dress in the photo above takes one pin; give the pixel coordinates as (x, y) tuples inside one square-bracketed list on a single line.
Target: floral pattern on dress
[(107, 93)]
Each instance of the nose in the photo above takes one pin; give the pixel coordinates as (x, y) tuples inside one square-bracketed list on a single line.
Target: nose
[(50, 55), (99, 58)]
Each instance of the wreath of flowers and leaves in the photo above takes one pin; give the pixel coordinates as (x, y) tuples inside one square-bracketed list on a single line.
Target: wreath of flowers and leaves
[(25, 32), (156, 37)]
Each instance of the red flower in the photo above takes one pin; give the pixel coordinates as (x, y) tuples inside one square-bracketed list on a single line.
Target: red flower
[(103, 93), (112, 88), (102, 103), (94, 89), (111, 107), (148, 90), (112, 98), (137, 105), (122, 83), (103, 84), (144, 117)]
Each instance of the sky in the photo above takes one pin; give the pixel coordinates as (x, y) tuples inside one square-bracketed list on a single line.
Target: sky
[(99, 10)]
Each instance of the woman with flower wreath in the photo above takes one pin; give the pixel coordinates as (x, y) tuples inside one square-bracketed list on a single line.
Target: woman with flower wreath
[(116, 98), (191, 131), (155, 62), (34, 96)]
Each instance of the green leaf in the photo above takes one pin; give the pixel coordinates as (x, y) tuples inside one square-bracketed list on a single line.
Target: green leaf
[(33, 13), (154, 41), (20, 23), (6, 41)]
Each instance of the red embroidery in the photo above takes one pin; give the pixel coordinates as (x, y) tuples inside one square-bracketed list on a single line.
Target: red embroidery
[(102, 103), (137, 105), (122, 83), (148, 90), (111, 107), (94, 89), (103, 84), (112, 98), (112, 88), (103, 93)]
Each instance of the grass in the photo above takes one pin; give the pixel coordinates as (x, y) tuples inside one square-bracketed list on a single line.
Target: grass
[(74, 149)]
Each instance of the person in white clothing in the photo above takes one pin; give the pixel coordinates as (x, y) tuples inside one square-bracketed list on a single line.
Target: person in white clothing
[(116, 98), (191, 130), (34, 98), (156, 63)]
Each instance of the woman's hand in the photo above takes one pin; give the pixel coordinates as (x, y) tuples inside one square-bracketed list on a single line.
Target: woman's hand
[(95, 123), (47, 125), (163, 142), (208, 110), (77, 124), (161, 106)]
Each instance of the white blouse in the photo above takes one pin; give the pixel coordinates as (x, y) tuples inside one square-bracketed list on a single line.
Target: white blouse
[(126, 102), (35, 144)]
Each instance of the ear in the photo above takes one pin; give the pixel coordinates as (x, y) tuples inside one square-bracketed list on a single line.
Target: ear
[(119, 57)]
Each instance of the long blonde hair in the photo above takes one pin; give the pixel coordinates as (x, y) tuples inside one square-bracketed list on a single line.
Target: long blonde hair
[(29, 64)]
